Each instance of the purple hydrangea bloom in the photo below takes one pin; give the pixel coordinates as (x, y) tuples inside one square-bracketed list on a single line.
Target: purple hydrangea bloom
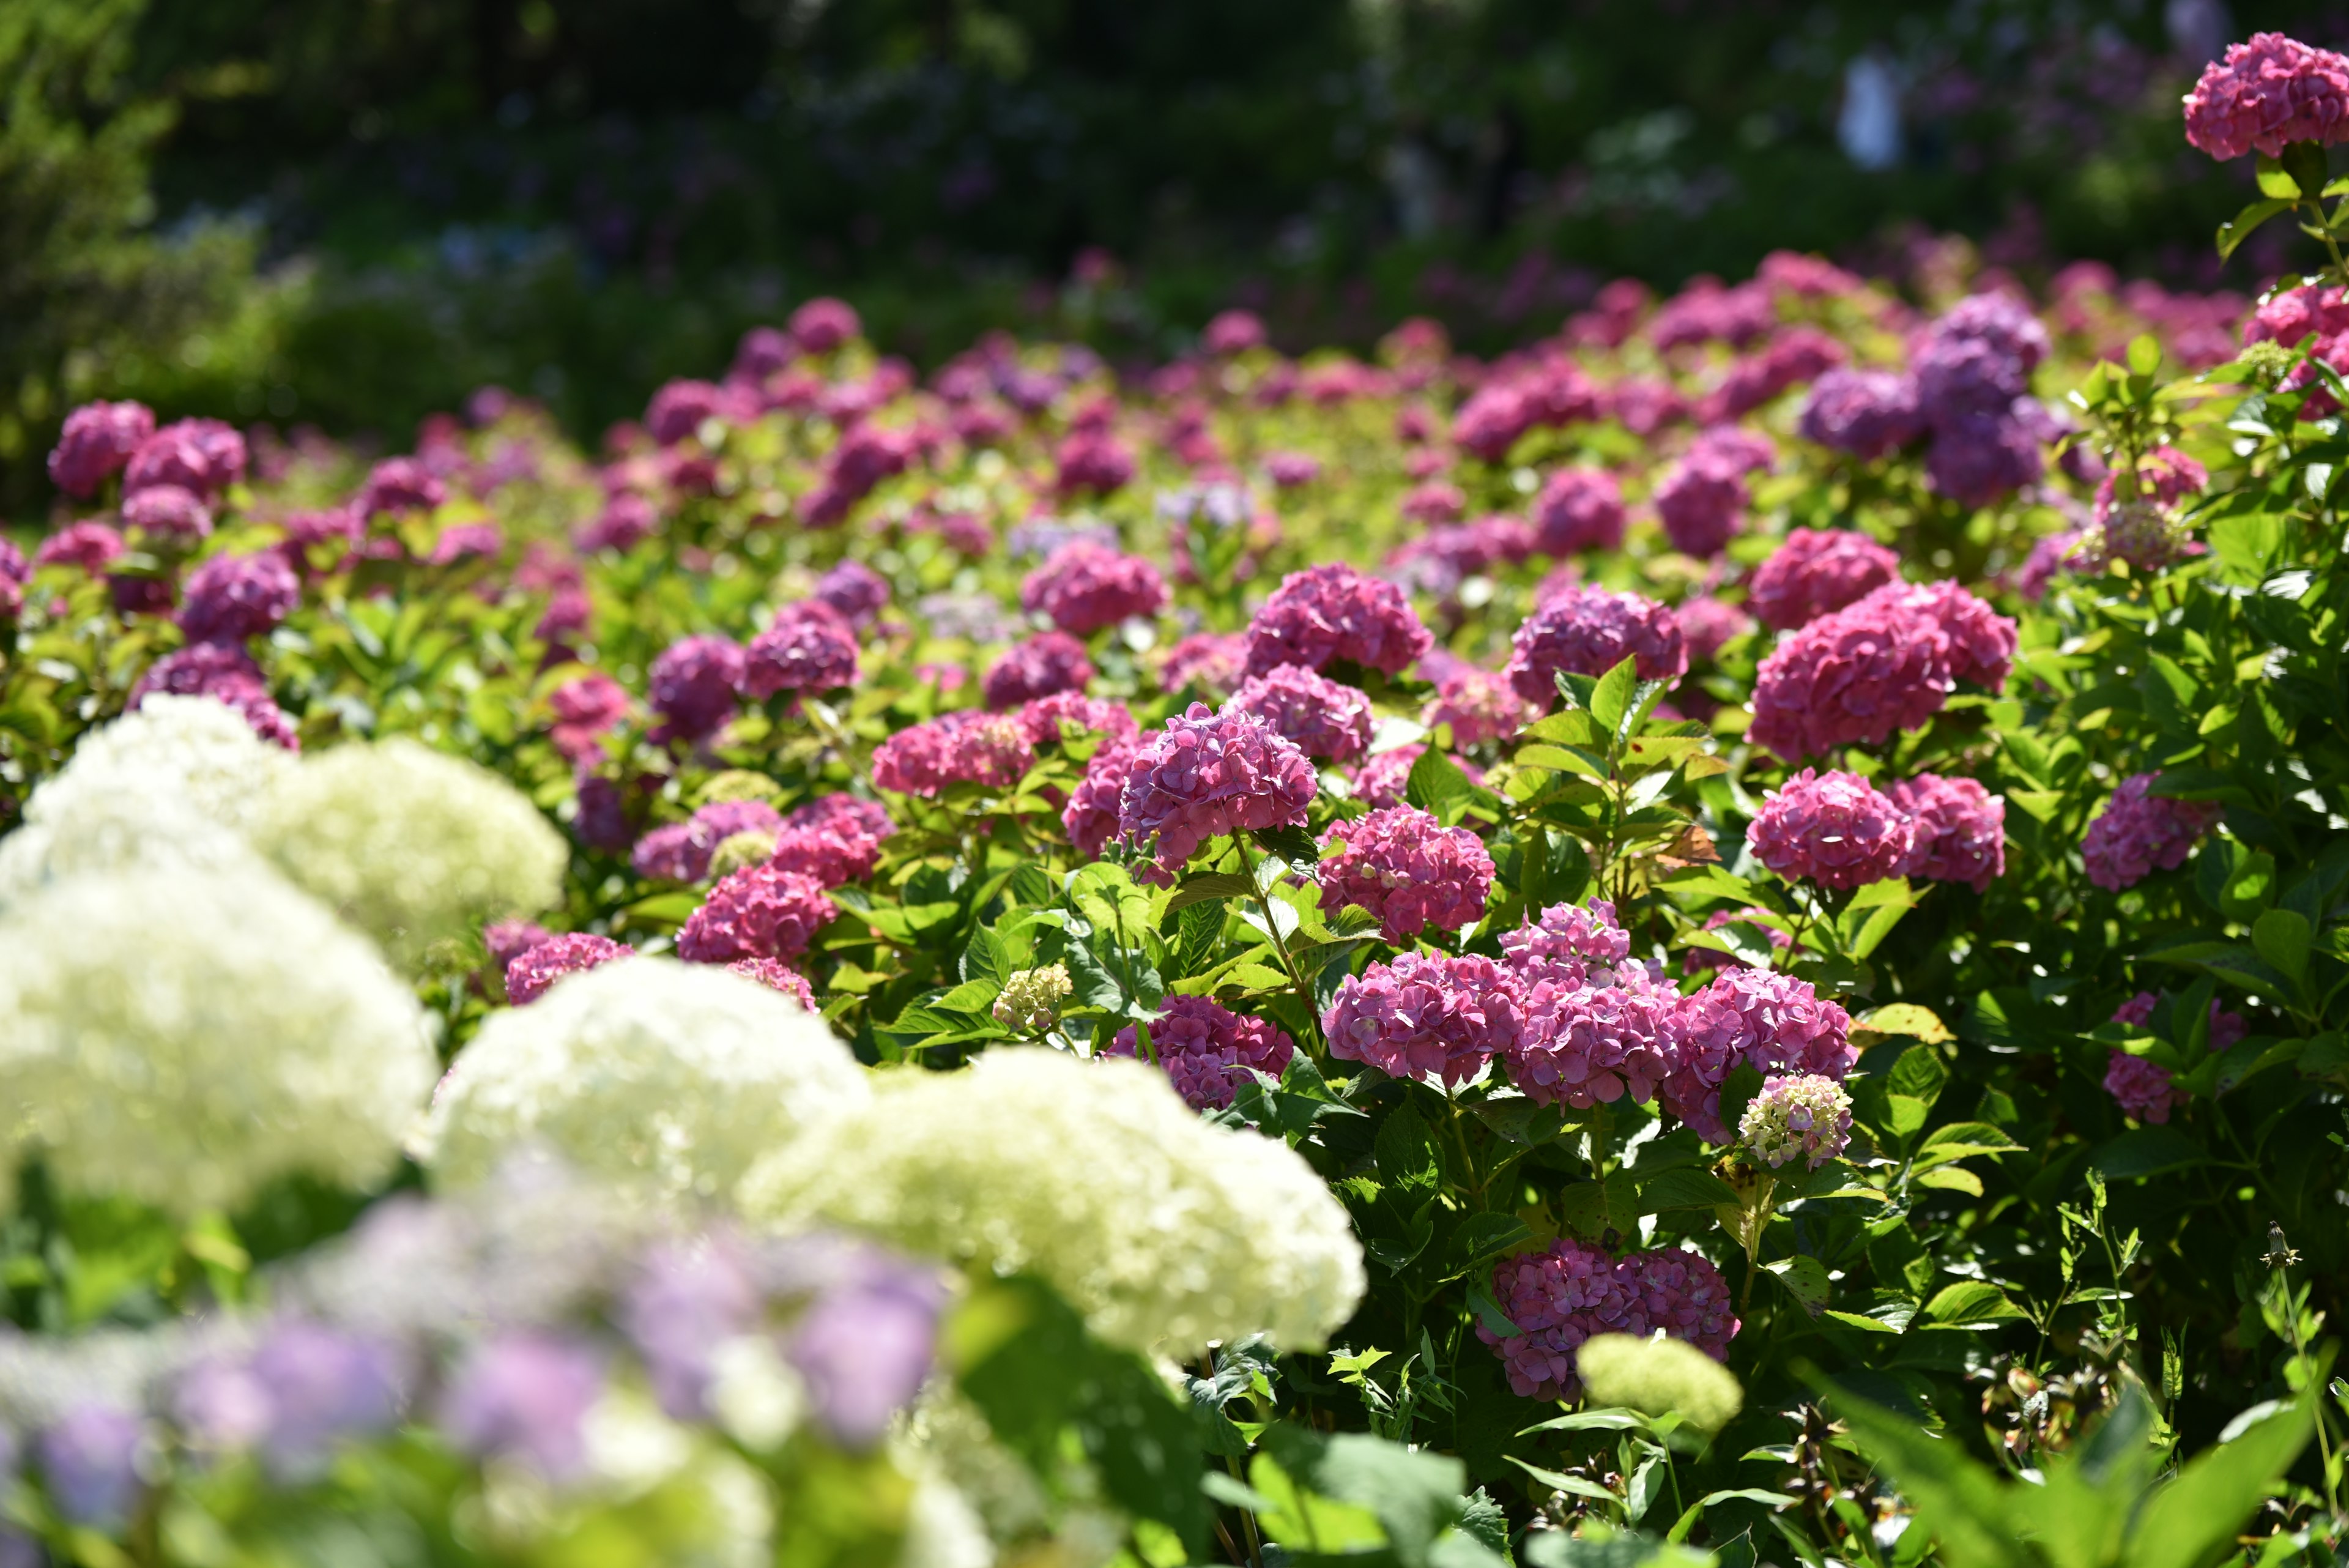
[(1706, 624), (1478, 704), (1750, 1017), (531, 972), (1324, 718), (1817, 571), (1835, 829), (963, 747), (1084, 587), (233, 598), (824, 324), (1866, 413), (1976, 458), (809, 647), (2266, 94), (693, 684), (87, 545), (679, 409), (203, 455), (1579, 509), (90, 1459), (1592, 1045), (400, 484), (322, 1383), (169, 515), (855, 590), (1887, 662), (680, 851), (686, 1298), (1583, 631), (1419, 1016), (2143, 1089), (1049, 662), (1093, 462), (1571, 945), (525, 1396), (845, 814), (760, 911), (865, 1345), (2138, 832), (96, 443), (1957, 830), (1208, 1050), (1206, 775), (1572, 1291), (1327, 613), (1978, 358), (1683, 1294), (227, 672), (1408, 869), (1701, 501)]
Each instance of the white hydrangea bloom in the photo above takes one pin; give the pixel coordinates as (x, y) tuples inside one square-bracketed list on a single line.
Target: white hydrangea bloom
[(408, 844), (666, 1080), (176, 781), (183, 1037), (1166, 1232)]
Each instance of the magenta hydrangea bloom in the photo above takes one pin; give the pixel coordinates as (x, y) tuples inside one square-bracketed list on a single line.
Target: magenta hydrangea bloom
[(1957, 830), (1865, 413), (585, 709), (855, 590), (2267, 94), (1324, 718), (2139, 832), (1571, 945), (96, 443), (509, 939), (962, 747), (1579, 509), (1215, 661), (1702, 501), (1408, 869), (833, 853), (1978, 358), (1049, 662), (1580, 630), (1233, 332), (88, 546), (1750, 1017), (169, 515), (1887, 662), (1090, 818), (1381, 780), (1815, 571), (233, 598), (824, 324), (777, 975), (844, 813), (679, 409), (760, 911), (693, 684), (1835, 829), (1584, 1044), (224, 671), (1093, 462), (1707, 623), (2143, 1089), (1208, 1050), (400, 484), (809, 647), (1327, 613), (1049, 721), (2287, 316), (1572, 1291), (1681, 1293), (1419, 1016), (1208, 773), (203, 455), (529, 973), (680, 851), (1084, 587), (1478, 704)]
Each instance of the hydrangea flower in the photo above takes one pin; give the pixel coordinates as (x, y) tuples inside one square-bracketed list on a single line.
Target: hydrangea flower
[(1419, 1016), (1957, 830), (855, 591), (779, 977), (90, 1459), (1047, 663), (305, 1388), (1030, 997), (1182, 1232), (1579, 509), (693, 684), (1093, 462), (1799, 1117), (1592, 1045), (2143, 1089), (682, 851), (1478, 704), (524, 1394), (842, 813), (223, 671), (96, 443), (530, 972), (761, 911), (1215, 663), (2267, 94), (1815, 571), (808, 647), (1701, 501), (834, 855), (824, 324), (1090, 818), (1706, 624), (1977, 459), (1406, 868), (203, 455), (864, 1347), (1750, 1017), (1868, 414), (1209, 774), (1978, 358), (1323, 718), (1659, 1377), (166, 515), (89, 547), (679, 408), (1208, 1051), (961, 747), (230, 598), (1383, 779), (1573, 1291), (1084, 587), (400, 484), (666, 1080), (2138, 832), (1588, 631), (1887, 662), (1332, 612), (585, 709), (1569, 946), (1835, 829), (1051, 720)]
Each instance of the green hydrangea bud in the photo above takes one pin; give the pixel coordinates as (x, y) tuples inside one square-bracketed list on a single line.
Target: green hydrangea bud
[(1031, 998), (741, 850), (1804, 1115), (1657, 1377), (740, 784)]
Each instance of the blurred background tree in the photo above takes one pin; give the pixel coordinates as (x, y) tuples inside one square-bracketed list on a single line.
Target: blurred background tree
[(352, 211)]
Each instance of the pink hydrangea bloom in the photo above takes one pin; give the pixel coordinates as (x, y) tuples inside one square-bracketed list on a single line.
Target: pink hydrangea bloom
[(855, 590), (1572, 1291), (1433, 502), (233, 598), (203, 455), (1324, 718), (584, 710), (1207, 773), (530, 972), (1327, 613), (679, 409), (1796, 355), (962, 747), (1084, 587), (845, 813), (1886, 662), (1090, 818), (1815, 571), (1233, 332), (1583, 631), (1093, 462), (2266, 94), (166, 513), (1215, 661), (2164, 476), (1381, 780), (2138, 832), (1571, 945), (777, 975), (1706, 624), (1208, 1050), (1579, 509), (96, 443), (693, 684), (1047, 720), (1705, 311), (1702, 501), (1957, 830), (2049, 555), (824, 324), (509, 939), (1287, 470), (1583, 1045), (680, 851), (2144, 1088), (87, 545), (1049, 662), (1681, 1293), (1418, 1016), (1750, 1017), (1835, 829), (2290, 315), (225, 672), (400, 484), (1478, 704), (1865, 413), (760, 911), (809, 647), (835, 854), (1404, 866)]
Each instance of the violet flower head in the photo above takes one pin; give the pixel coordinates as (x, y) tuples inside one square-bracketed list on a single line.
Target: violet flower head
[(1579, 509), (824, 324), (1978, 358), (400, 484), (680, 852), (525, 1396), (1327, 613), (1090, 818), (1977, 459), (1750, 1017), (175, 519), (203, 455), (1084, 587), (1701, 501), (1207, 774), (531, 972), (1478, 704), (1593, 1045), (220, 670), (678, 410), (1208, 1051), (1681, 1293), (687, 1298), (855, 590), (962, 747), (2139, 832), (760, 911), (1418, 1016), (230, 598), (1048, 662), (693, 684), (1407, 869), (1801, 1116), (1323, 718), (90, 1459), (1867, 414), (865, 1346), (1093, 462), (1580, 630), (1835, 829), (809, 647), (1815, 572), (2267, 94), (1957, 830), (1215, 661), (97, 444), (321, 1385), (1571, 945)]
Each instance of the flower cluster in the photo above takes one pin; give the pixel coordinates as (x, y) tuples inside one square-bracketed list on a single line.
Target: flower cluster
[(1867, 414), (1320, 716), (1207, 1049), (1090, 818), (1045, 665), (1703, 500), (1030, 999), (1589, 632), (1579, 509), (1747, 1017), (1801, 1116), (1957, 830), (1206, 775), (693, 684), (1835, 829), (760, 911), (1973, 384), (1084, 587), (530, 972), (1407, 869), (1585, 1044), (2266, 94), (1418, 1016), (1884, 664), (1569, 945), (986, 749), (811, 647), (682, 851), (2139, 832), (1572, 1291), (1815, 572), (1325, 614)]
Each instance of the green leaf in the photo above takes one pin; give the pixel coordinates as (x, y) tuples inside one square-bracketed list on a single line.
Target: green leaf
[(2283, 938), (1293, 843), (1210, 885), (1610, 699), (2275, 181), (2144, 354), (985, 957), (1920, 1074), (1805, 1278), (2194, 1520), (1483, 1236), (1684, 1187), (1414, 1494), (1958, 1501), (2303, 164), (1437, 786), (1303, 1519), (2148, 1151), (1406, 1152), (2236, 230), (1738, 1091), (1916, 1022), (1967, 1302)]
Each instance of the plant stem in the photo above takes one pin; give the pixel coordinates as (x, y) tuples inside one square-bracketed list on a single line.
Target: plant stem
[(1272, 928)]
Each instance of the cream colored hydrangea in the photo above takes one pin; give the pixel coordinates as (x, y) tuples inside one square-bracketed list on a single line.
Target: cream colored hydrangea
[(408, 844), (1166, 1232), (176, 781), (668, 1080), (1658, 1375), (183, 1037)]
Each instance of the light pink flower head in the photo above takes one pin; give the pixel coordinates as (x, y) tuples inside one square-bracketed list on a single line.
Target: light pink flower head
[(2266, 94), (1419, 1016)]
